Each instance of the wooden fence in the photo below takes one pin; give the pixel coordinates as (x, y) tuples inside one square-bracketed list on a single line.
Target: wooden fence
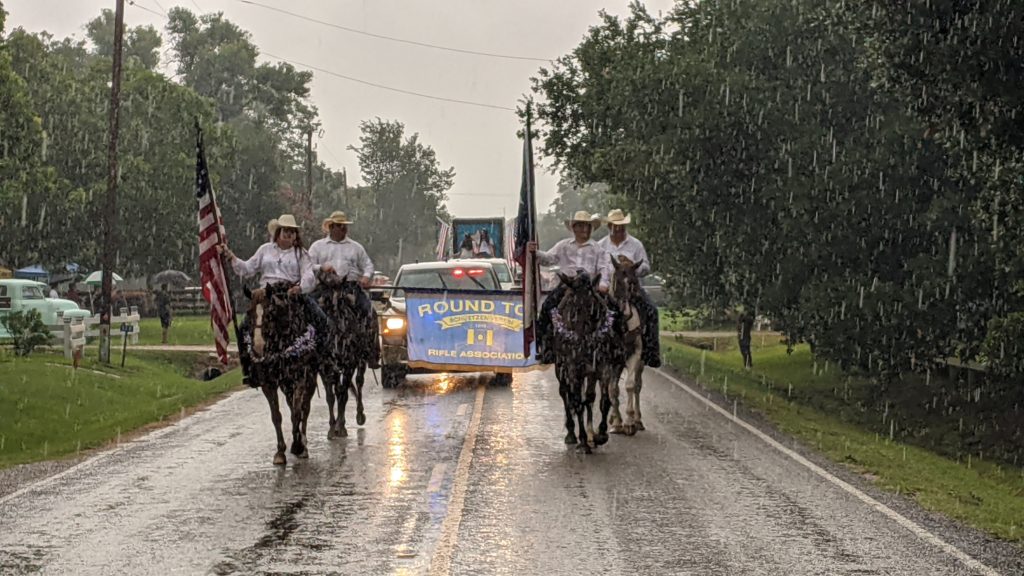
[(73, 332)]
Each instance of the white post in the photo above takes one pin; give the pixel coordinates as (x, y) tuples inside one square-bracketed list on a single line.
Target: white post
[(67, 335)]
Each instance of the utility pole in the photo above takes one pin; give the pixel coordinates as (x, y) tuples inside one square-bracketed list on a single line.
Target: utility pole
[(309, 170), (110, 209)]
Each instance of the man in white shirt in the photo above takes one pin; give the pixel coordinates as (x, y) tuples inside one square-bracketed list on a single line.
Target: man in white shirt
[(620, 245), (347, 258), (573, 256)]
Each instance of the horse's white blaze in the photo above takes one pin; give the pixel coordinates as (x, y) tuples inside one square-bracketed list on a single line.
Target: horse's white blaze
[(257, 337), (634, 367)]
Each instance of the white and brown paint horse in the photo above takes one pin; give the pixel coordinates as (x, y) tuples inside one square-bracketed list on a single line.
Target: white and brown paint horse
[(282, 344), (625, 290), (585, 340), (349, 345)]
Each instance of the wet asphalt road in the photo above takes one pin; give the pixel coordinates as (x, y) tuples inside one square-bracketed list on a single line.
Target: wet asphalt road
[(450, 476)]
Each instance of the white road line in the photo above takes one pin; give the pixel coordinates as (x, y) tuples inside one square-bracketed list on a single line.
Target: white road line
[(920, 532), (462, 409), (441, 562)]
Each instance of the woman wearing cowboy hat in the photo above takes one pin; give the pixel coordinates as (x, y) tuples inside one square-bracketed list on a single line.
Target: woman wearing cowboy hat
[(620, 245), (575, 255), (347, 258)]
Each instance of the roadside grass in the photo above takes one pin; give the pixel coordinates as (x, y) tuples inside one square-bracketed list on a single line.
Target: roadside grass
[(184, 331), (812, 402), (48, 410)]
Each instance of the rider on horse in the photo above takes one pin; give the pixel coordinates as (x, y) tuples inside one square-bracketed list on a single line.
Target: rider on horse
[(575, 255), (347, 258), (620, 245), (282, 260)]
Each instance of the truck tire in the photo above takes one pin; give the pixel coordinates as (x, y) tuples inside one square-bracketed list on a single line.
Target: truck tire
[(392, 375), (503, 379)]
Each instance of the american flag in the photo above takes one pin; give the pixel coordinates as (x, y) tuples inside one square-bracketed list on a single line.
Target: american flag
[(211, 271), (443, 233)]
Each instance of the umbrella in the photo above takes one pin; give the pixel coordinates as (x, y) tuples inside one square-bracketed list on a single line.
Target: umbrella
[(175, 277), (96, 278)]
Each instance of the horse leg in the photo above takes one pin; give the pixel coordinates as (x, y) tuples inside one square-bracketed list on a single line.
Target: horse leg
[(329, 377), (270, 391), (599, 435), (577, 399), (629, 427), (358, 391), (563, 391), (639, 386), (606, 404), (296, 402), (343, 385), (308, 390), (613, 399)]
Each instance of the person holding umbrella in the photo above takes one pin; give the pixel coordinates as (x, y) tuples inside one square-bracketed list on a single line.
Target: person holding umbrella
[(163, 310)]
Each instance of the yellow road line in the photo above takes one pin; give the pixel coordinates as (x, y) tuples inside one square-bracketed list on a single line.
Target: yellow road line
[(441, 563)]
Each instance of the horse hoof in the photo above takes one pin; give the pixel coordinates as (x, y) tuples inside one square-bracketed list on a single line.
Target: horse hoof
[(629, 429), (331, 434), (640, 426), (616, 430), (298, 449), (585, 448), (341, 433), (305, 454), (570, 438), (279, 459), (600, 439), (360, 419)]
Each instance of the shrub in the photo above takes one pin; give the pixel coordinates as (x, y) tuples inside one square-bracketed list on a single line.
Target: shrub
[(27, 330)]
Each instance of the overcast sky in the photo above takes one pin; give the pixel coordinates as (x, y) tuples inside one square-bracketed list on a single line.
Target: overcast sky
[(479, 142)]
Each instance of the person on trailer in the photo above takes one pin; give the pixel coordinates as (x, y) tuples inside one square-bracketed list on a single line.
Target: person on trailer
[(284, 259), (338, 253), (485, 248), (625, 248), (579, 254)]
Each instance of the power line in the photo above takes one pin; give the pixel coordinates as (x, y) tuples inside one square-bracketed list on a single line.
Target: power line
[(160, 6), (383, 87), (392, 38), (196, 4), (150, 10)]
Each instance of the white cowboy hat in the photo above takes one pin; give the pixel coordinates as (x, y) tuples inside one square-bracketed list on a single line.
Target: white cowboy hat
[(336, 217), (617, 218), (583, 216), (285, 221)]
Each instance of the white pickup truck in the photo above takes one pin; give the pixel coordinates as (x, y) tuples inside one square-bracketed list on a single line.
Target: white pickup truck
[(18, 295)]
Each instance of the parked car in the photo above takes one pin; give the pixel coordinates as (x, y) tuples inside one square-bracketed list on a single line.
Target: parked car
[(453, 274), (18, 295)]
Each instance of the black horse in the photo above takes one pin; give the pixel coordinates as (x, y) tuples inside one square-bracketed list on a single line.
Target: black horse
[(586, 341), (281, 341), (349, 345)]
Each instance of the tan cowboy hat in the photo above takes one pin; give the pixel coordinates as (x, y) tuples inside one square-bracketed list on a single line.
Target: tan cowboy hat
[(336, 217), (617, 218), (583, 216), (285, 221)]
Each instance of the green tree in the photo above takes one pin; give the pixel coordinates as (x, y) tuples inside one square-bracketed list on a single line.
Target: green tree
[(141, 43), (406, 193)]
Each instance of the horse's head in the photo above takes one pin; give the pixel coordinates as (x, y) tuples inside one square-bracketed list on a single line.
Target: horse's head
[(582, 311), (339, 290), (625, 281), (275, 316)]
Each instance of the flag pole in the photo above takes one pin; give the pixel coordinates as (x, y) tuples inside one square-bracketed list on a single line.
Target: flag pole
[(220, 240)]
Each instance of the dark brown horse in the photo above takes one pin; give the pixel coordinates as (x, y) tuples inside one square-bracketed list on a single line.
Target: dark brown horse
[(626, 293), (282, 344), (349, 345), (585, 340)]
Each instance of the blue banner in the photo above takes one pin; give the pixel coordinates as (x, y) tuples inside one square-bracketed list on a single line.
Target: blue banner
[(466, 330)]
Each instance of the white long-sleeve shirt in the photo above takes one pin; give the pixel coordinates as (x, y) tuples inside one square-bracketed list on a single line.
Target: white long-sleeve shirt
[(275, 264), (570, 257), (348, 258), (630, 248)]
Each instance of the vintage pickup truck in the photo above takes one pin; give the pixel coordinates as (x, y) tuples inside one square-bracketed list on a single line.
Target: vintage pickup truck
[(23, 295)]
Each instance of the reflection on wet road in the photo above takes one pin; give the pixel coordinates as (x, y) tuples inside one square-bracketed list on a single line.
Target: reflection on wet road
[(449, 476)]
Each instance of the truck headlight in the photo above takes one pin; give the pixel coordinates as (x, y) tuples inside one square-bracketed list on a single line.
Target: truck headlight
[(394, 324)]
